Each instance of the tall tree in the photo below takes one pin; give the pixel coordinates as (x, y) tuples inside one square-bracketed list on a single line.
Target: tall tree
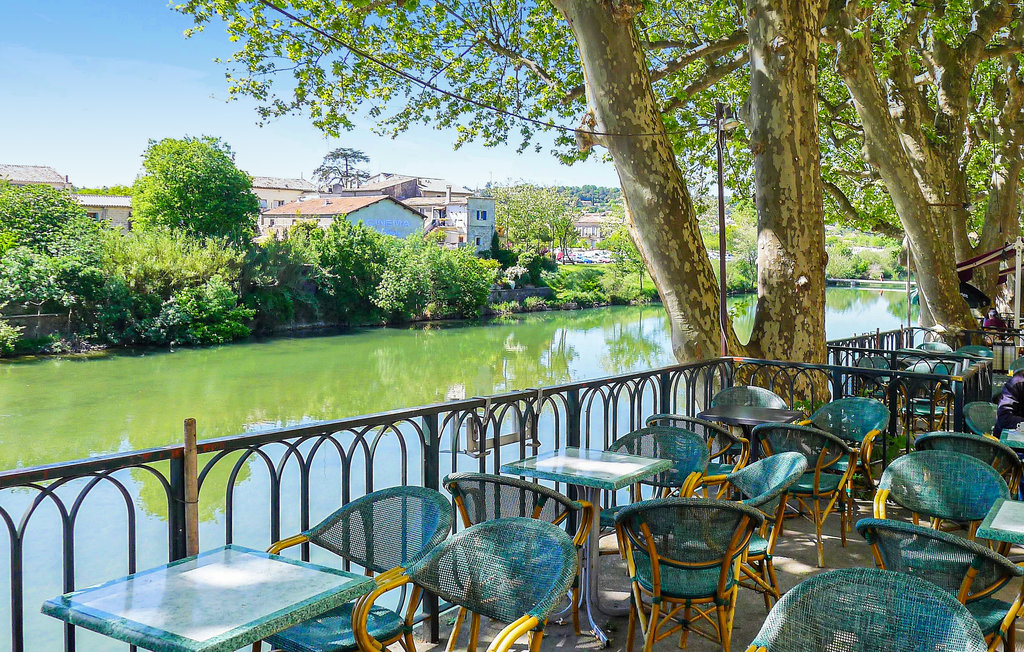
[(192, 185), (640, 79), (929, 109), (343, 166)]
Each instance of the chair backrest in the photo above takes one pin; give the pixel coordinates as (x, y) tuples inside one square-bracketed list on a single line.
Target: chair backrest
[(865, 610), (696, 533), (977, 350), (501, 569), (748, 395), (939, 557), (719, 439), (821, 449), (943, 484), (852, 419), (994, 453), (1016, 365), (387, 528), (944, 368), (764, 482), (482, 497), (872, 362), (980, 417), (936, 347), (685, 449)]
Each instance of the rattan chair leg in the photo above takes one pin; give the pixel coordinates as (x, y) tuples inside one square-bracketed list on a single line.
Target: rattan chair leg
[(816, 515), (724, 630), (453, 638), (652, 628), (535, 640), (474, 632), (257, 646), (773, 581), (685, 633), (631, 628), (576, 608)]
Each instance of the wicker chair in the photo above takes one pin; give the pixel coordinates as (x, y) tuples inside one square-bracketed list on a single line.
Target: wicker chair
[(857, 421), (764, 485), (684, 554), (727, 452), (873, 386), (511, 570), (748, 395), (866, 610), (380, 532), (685, 449), (928, 401), (980, 417), (941, 486), (935, 347), (482, 497), (824, 483), (976, 350), (1016, 366), (985, 448), (970, 572)]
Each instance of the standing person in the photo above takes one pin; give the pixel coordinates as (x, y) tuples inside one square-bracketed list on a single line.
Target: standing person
[(1010, 412), (993, 320)]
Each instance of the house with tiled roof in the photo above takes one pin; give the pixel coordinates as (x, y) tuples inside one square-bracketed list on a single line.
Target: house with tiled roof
[(28, 175), (113, 209), (278, 191), (379, 212)]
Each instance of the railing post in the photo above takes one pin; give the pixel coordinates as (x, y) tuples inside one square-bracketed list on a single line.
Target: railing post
[(892, 396), (837, 385), (432, 480), (664, 393), (959, 423), (191, 467), (176, 508), (573, 418)]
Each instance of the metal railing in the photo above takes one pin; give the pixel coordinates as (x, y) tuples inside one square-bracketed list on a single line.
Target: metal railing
[(76, 523)]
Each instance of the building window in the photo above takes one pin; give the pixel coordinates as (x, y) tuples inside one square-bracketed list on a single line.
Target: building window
[(478, 241), (279, 202), (263, 203), (481, 215), (271, 221)]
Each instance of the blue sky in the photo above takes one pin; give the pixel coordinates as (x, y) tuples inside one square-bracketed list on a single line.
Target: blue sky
[(87, 84)]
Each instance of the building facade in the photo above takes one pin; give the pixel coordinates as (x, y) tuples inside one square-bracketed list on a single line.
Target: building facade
[(30, 175), (113, 209), (275, 192), (380, 213)]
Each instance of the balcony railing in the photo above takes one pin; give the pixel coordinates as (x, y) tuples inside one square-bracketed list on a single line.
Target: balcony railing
[(73, 524)]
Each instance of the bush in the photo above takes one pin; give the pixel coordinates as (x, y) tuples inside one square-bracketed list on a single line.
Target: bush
[(9, 337), (535, 304), (208, 314), (506, 308)]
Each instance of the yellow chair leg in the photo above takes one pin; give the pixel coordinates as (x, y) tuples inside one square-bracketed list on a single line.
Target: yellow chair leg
[(724, 631), (576, 608), (631, 629), (816, 515), (456, 629), (652, 628), (683, 635), (474, 632)]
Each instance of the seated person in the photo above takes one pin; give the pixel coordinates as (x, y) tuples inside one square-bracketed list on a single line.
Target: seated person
[(993, 320), (1011, 404)]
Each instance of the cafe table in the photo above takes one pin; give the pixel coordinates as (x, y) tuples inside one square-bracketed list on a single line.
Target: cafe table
[(593, 472), (218, 601), (1004, 523), (748, 416)]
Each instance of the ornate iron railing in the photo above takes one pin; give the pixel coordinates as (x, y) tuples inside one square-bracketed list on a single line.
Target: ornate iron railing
[(77, 523)]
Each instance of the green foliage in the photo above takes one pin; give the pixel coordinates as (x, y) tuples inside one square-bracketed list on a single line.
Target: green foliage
[(506, 308), (207, 314), (192, 185), (9, 337), (343, 166), (535, 217), (43, 219), (116, 190), (535, 304)]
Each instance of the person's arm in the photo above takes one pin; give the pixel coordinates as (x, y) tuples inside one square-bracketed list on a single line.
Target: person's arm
[(1011, 403)]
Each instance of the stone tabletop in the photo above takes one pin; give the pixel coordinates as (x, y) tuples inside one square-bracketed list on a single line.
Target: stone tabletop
[(588, 468), (748, 415), (1013, 438), (1004, 522), (221, 600)]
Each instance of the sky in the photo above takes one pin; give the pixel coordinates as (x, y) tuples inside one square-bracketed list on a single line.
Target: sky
[(85, 85)]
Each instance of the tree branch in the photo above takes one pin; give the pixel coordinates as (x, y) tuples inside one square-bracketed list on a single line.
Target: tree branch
[(847, 207), (705, 81)]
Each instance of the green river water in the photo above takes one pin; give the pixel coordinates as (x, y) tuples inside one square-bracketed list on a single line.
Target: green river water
[(57, 409)]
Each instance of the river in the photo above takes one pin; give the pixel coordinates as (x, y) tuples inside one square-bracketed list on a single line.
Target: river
[(55, 409)]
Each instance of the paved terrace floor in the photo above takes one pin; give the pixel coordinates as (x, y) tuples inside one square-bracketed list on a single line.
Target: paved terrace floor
[(795, 561)]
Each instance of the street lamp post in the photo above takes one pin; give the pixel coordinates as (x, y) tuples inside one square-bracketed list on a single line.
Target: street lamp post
[(720, 145)]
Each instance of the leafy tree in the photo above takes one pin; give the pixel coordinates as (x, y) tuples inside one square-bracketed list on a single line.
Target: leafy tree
[(43, 219), (628, 260), (192, 185), (522, 64), (532, 217), (105, 190), (342, 166)]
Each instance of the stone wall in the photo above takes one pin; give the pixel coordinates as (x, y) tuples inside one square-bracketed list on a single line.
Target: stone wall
[(519, 294)]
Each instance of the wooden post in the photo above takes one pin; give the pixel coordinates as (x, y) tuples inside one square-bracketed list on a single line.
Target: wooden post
[(191, 490)]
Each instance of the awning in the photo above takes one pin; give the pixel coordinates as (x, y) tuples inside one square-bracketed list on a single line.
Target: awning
[(974, 297)]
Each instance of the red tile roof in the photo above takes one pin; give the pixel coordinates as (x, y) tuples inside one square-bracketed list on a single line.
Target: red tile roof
[(326, 205)]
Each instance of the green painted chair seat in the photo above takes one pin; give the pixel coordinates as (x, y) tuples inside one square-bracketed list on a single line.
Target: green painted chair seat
[(923, 407), (989, 612), (332, 631), (679, 582), (719, 469), (758, 547), (828, 483)]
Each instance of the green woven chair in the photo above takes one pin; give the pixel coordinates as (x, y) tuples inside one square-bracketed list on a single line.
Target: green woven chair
[(380, 532), (482, 497), (928, 401), (980, 417), (748, 395), (872, 386), (764, 485), (1016, 366), (818, 491), (684, 555), (727, 452), (983, 447), (935, 347), (941, 486), (976, 350), (512, 570), (970, 572), (868, 610), (857, 421), (684, 448)]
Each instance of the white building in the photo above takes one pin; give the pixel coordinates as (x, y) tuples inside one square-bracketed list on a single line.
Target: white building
[(381, 213), (277, 191), (114, 209), (29, 175)]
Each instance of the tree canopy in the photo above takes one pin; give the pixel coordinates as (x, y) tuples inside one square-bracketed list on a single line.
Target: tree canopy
[(343, 166), (192, 185)]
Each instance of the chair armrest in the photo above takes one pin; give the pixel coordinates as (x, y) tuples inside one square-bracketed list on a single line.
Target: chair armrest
[(287, 543), (512, 632), (880, 497), (690, 484), (361, 610), (583, 531)]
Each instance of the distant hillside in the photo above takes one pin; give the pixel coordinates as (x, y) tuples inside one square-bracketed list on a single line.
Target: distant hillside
[(594, 198)]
